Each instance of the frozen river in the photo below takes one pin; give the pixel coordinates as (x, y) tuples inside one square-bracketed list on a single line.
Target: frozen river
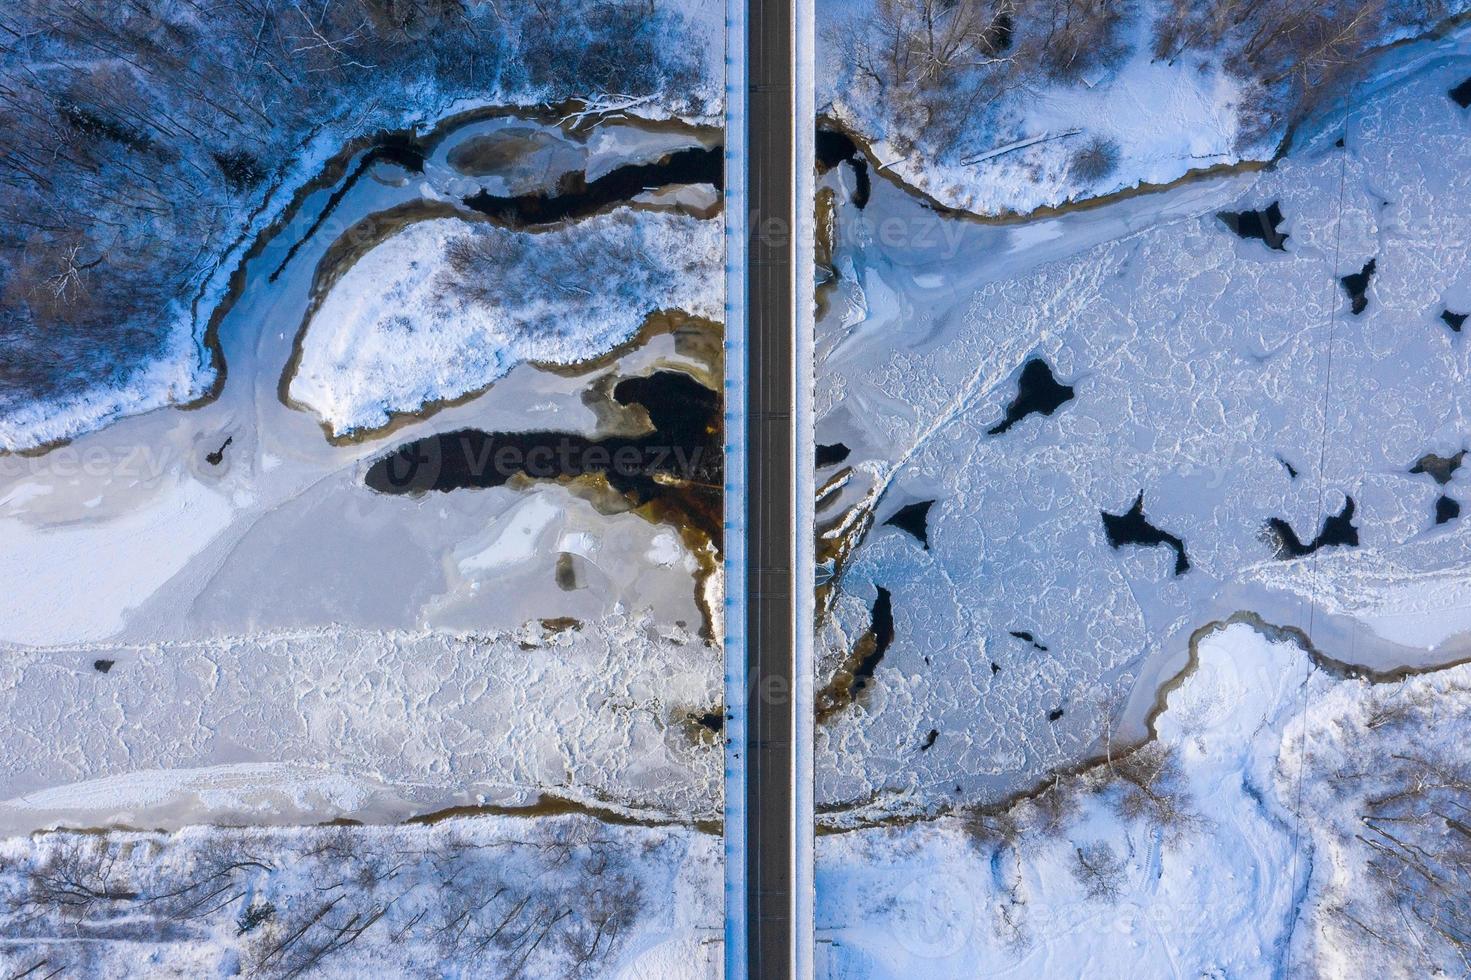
[(1227, 400), (282, 641)]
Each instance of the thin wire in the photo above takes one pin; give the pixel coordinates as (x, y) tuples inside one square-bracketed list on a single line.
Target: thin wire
[(1316, 578)]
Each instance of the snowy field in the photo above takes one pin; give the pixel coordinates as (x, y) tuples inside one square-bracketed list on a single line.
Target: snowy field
[(1199, 363), (1284, 822), (1036, 140), (484, 896)]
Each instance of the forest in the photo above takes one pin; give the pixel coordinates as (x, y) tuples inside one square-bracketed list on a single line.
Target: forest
[(143, 135)]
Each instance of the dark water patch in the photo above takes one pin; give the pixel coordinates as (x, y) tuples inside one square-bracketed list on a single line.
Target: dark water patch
[(1453, 320), (1038, 392), (552, 626), (679, 465), (1356, 285), (835, 147), (882, 631), (1438, 468), (929, 740), (1262, 225), (1291, 470), (218, 456), (914, 518), (831, 454), (1461, 94), (1026, 637), (850, 679), (1338, 531), (396, 148), (711, 721), (400, 149), (1055, 714), (560, 624), (103, 666), (1132, 528), (577, 197), (1447, 509)]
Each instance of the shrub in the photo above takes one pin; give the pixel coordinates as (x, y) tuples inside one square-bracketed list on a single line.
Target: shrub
[(1095, 160)]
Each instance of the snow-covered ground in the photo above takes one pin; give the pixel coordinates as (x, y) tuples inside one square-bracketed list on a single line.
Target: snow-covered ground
[(1159, 119), (488, 896), (676, 61), (180, 374), (1200, 363), (446, 307), (1164, 120), (1262, 833)]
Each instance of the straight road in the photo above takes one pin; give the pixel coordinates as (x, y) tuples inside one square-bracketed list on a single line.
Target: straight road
[(771, 817)]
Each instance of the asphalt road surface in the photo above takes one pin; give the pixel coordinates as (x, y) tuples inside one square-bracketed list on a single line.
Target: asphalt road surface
[(770, 478)]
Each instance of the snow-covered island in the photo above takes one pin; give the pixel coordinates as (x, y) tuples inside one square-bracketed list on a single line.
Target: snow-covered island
[(445, 307)]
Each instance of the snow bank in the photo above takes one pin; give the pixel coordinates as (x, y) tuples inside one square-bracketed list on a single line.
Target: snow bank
[(1095, 878), (446, 307), (1155, 119), (1162, 120), (480, 896), (182, 373)]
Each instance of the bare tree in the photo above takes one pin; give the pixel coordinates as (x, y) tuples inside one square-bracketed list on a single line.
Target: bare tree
[(1408, 788), (1080, 35), (930, 60), (1098, 870), (1293, 56), (1150, 786)]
